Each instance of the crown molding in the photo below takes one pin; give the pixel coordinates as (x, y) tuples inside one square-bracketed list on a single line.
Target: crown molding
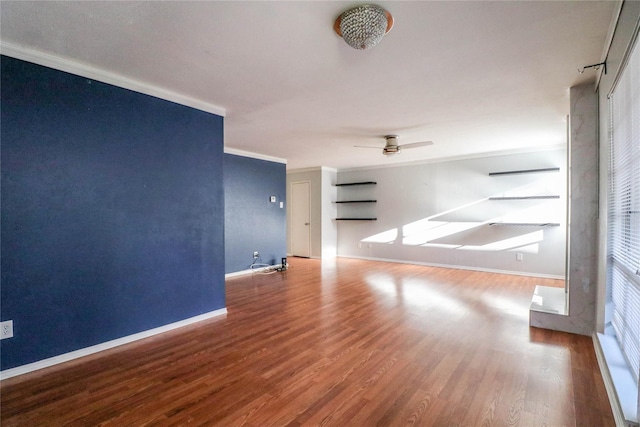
[(305, 170), (461, 157), (313, 169), (90, 72), (236, 152), (328, 169)]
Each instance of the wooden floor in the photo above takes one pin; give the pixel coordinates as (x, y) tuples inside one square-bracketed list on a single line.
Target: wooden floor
[(345, 343)]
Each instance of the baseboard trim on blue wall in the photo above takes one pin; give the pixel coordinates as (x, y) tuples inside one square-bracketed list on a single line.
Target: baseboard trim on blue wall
[(458, 267), (45, 363), (242, 273), (251, 270)]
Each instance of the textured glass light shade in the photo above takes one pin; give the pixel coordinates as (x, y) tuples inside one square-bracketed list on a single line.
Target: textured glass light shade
[(363, 26)]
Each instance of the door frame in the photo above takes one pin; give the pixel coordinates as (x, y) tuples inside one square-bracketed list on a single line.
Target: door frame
[(293, 204)]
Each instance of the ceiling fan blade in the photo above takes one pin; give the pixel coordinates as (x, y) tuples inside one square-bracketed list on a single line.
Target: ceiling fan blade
[(416, 144), (368, 146)]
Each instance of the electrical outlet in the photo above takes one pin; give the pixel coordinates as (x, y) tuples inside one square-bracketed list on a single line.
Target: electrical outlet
[(519, 256), (256, 254), (6, 329), (359, 245)]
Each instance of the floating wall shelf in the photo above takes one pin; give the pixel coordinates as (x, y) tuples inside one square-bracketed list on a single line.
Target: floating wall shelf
[(361, 218), (524, 198), (542, 197), (516, 172), (347, 184), (526, 224)]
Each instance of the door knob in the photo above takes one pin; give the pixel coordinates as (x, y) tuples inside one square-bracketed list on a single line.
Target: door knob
[(306, 223)]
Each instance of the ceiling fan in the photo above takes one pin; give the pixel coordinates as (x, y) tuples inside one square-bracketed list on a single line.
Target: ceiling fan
[(392, 147)]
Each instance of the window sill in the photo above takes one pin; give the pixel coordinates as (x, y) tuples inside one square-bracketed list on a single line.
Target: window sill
[(620, 377)]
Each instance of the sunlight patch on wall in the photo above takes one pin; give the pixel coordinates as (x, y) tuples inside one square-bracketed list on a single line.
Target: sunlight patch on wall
[(433, 230), (544, 184), (440, 245), (543, 212), (507, 244), (470, 227), (388, 236), (530, 249), (456, 209)]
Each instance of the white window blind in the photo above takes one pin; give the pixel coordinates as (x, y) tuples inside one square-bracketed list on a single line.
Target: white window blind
[(623, 269)]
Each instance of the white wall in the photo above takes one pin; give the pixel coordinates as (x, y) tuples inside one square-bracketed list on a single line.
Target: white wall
[(329, 211), (323, 232), (438, 214)]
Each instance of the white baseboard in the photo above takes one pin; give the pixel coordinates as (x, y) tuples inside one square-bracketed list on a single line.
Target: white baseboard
[(456, 267), (251, 270), (241, 273), (45, 363)]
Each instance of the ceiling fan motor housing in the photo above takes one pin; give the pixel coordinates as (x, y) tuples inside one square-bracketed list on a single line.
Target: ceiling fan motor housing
[(391, 139), (391, 146)]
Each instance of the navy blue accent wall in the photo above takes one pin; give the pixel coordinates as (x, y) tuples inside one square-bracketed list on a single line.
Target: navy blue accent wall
[(252, 222), (112, 212)]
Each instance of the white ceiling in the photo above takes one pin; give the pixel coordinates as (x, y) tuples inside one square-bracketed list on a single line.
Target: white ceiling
[(473, 76)]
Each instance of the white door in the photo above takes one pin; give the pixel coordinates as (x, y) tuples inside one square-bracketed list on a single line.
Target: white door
[(300, 223)]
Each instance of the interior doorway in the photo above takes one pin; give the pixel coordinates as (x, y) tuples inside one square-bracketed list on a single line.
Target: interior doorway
[(300, 219)]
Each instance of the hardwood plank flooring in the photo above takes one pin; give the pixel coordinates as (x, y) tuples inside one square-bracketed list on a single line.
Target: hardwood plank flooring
[(335, 343)]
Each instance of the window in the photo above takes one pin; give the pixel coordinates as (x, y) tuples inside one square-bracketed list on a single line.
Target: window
[(623, 269)]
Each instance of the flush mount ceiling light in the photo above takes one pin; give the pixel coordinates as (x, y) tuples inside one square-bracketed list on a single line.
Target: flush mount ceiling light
[(363, 26)]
